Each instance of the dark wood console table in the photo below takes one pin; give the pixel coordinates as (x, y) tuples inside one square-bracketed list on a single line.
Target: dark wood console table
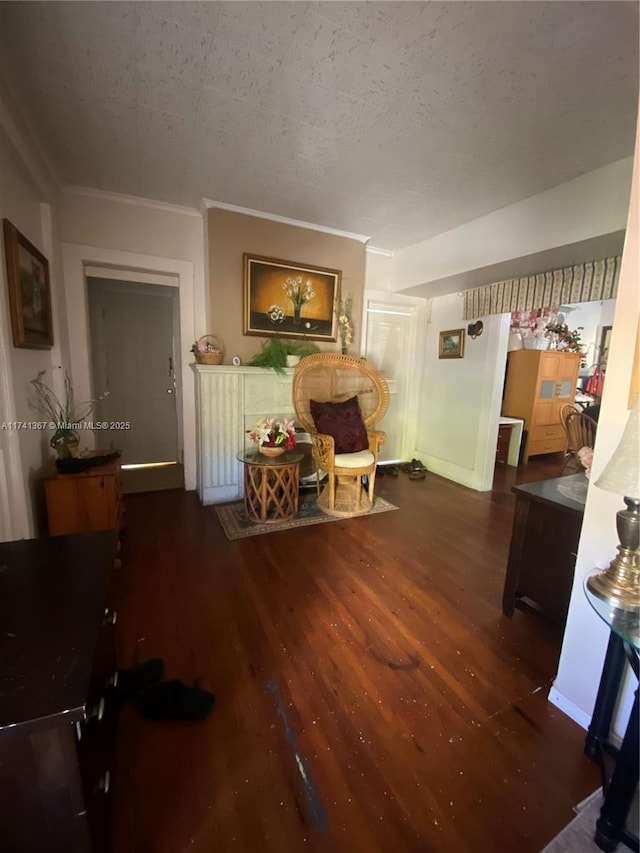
[(56, 657), (544, 542)]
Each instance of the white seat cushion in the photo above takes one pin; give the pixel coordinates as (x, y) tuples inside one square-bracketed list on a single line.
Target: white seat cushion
[(354, 460)]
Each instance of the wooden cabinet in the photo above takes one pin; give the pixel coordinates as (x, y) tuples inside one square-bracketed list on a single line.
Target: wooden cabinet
[(538, 384), (544, 541), (57, 726), (86, 501)]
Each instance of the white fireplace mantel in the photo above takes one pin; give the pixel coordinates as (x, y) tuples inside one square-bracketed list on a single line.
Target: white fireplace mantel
[(229, 400)]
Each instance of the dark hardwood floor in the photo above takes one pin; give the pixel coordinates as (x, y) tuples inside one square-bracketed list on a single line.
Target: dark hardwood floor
[(371, 696)]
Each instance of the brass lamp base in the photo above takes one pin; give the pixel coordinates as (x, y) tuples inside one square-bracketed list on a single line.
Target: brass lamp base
[(619, 585)]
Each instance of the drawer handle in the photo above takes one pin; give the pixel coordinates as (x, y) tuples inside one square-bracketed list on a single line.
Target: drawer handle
[(112, 681), (104, 783), (97, 712), (110, 617)]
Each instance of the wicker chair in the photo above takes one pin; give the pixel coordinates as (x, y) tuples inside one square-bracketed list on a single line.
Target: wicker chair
[(333, 378)]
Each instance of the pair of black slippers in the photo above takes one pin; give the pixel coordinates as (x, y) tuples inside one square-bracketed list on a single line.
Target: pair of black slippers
[(161, 700)]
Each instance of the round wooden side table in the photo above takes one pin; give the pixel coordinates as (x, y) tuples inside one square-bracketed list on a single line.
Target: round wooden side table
[(271, 485)]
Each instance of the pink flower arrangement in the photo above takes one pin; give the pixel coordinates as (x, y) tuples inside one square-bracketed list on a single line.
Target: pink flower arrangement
[(585, 455), (269, 432)]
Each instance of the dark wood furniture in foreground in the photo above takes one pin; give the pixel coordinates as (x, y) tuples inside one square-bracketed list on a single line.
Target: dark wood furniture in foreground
[(620, 781), (89, 500), (56, 657), (544, 543)]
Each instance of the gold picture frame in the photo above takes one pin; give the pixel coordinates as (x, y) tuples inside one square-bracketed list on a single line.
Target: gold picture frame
[(29, 291), (451, 344), (284, 299)]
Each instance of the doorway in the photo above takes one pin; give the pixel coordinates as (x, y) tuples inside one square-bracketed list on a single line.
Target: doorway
[(134, 327), (391, 325)]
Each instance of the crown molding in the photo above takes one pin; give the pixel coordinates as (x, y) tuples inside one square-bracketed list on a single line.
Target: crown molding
[(273, 217), (139, 201), (376, 250)]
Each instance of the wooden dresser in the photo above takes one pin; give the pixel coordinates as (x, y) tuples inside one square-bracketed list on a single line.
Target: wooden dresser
[(57, 730), (89, 500), (539, 383)]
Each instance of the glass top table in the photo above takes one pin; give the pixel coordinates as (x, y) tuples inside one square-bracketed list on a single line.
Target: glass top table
[(624, 623), (252, 456)]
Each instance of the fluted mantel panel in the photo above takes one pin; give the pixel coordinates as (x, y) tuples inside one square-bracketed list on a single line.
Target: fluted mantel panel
[(229, 400)]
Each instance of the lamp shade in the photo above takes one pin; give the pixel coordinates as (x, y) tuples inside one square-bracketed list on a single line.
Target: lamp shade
[(622, 473)]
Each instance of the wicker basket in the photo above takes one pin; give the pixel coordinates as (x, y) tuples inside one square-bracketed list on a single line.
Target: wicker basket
[(214, 357)]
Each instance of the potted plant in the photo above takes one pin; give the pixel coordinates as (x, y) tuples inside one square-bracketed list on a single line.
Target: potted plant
[(274, 353), (64, 416)]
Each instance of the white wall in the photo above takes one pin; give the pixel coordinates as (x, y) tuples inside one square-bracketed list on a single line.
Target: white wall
[(129, 234), (460, 398), (586, 636), (589, 206), (25, 201), (379, 271)]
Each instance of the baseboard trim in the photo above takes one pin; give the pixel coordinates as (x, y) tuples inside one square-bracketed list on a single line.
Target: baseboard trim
[(569, 708)]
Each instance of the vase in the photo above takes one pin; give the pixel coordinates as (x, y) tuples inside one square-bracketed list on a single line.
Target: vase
[(268, 450), (65, 442), (296, 314)]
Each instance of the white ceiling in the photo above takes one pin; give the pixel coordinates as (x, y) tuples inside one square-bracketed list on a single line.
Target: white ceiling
[(398, 120)]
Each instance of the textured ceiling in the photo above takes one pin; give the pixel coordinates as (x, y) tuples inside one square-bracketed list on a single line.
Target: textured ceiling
[(395, 120)]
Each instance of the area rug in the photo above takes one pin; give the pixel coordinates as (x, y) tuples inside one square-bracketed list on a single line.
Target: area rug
[(577, 836), (236, 525)]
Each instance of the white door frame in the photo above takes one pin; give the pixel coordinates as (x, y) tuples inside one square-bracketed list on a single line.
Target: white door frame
[(412, 374), (75, 258)]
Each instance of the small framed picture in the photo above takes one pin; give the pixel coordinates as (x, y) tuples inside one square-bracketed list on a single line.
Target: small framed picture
[(451, 344), (29, 291)]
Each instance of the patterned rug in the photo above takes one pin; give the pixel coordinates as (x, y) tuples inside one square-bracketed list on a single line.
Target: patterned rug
[(236, 525)]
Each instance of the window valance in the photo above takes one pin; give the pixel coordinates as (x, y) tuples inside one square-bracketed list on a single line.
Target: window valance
[(588, 282)]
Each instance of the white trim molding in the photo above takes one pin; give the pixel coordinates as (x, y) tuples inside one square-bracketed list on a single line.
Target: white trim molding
[(75, 260), (376, 250), (121, 198), (273, 217), (569, 708)]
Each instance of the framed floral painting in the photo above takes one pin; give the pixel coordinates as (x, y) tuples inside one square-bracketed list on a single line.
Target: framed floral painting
[(288, 300), (451, 344), (29, 291)]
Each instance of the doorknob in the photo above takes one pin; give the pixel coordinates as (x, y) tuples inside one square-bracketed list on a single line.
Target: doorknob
[(169, 390)]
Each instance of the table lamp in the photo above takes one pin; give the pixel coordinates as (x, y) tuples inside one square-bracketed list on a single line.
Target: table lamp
[(619, 585)]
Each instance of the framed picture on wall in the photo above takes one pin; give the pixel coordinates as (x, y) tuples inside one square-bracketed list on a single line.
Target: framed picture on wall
[(451, 344), (288, 300), (29, 291)]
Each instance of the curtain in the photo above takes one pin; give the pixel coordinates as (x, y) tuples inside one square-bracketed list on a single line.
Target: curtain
[(588, 282)]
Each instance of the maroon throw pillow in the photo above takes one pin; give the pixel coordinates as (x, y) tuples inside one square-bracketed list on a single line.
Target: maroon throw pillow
[(343, 421)]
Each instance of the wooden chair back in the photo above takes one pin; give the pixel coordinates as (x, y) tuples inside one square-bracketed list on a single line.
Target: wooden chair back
[(581, 431)]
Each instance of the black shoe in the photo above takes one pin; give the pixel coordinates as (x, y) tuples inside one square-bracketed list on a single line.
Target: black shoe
[(417, 465), (171, 700), (392, 469), (129, 682)]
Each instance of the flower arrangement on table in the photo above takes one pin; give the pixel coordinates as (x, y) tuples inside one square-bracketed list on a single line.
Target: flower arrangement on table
[(585, 455), (269, 432), (298, 293), (345, 323)]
